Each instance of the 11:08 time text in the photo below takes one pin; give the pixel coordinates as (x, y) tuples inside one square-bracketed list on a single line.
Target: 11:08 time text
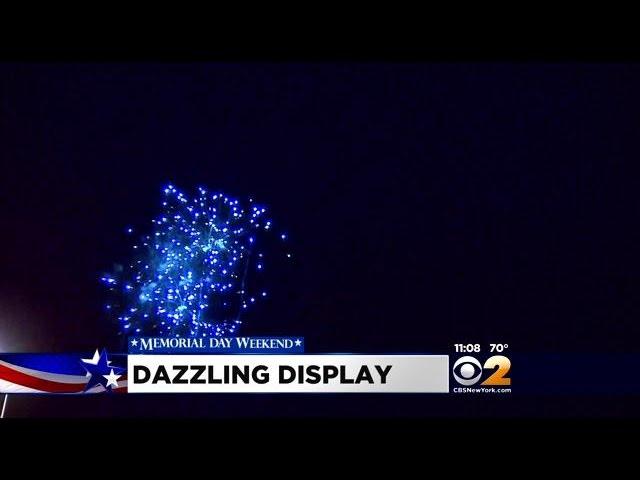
[(475, 347)]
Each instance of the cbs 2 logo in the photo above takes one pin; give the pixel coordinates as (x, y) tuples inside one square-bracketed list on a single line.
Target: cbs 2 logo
[(467, 370)]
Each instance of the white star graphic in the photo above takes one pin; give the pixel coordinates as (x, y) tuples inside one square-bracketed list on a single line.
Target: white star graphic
[(112, 379), (134, 343), (298, 342), (94, 360), (91, 361)]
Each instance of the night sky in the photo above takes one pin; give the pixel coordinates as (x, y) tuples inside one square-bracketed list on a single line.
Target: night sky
[(427, 205)]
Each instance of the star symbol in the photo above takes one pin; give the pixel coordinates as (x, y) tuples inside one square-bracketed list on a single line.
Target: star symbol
[(134, 343), (91, 361), (94, 360), (112, 379), (97, 368), (298, 342)]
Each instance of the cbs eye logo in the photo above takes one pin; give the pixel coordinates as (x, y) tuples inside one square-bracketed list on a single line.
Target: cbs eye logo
[(467, 370)]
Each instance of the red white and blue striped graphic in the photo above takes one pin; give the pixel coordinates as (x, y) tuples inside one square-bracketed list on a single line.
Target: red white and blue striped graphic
[(49, 373)]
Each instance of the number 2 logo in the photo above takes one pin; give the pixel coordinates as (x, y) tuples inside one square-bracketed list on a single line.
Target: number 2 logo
[(467, 371), (498, 377)]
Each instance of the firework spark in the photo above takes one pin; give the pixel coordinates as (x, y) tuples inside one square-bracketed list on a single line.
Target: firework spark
[(190, 275)]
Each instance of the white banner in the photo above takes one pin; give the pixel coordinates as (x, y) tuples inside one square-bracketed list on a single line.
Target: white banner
[(288, 373)]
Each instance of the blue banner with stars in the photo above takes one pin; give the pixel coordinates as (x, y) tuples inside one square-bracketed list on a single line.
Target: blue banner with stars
[(217, 345)]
